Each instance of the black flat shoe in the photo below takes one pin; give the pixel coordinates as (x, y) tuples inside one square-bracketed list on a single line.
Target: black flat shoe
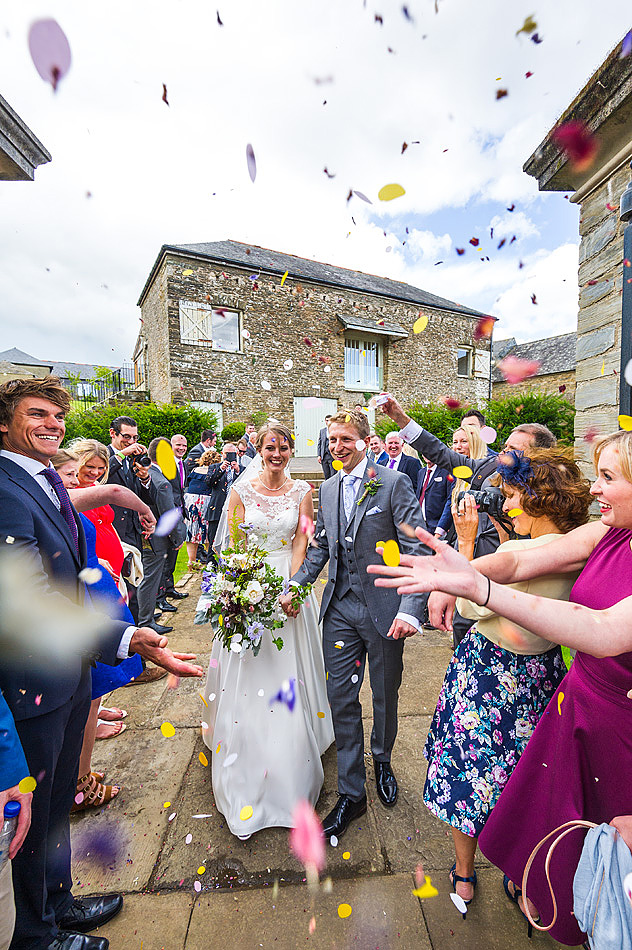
[(386, 783), (88, 913), (514, 899), (342, 814), (454, 877), (176, 595), (159, 627), (75, 941), (165, 607)]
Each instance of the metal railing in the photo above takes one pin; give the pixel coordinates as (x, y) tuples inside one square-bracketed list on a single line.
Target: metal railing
[(90, 392)]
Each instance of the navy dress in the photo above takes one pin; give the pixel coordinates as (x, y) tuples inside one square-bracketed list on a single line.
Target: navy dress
[(106, 597)]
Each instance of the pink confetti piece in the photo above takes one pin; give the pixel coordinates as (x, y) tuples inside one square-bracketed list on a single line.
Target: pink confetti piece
[(252, 164), (516, 370), (213, 663), (307, 841), (50, 50), (579, 145)]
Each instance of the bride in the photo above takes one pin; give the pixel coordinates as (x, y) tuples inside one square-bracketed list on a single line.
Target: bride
[(266, 755)]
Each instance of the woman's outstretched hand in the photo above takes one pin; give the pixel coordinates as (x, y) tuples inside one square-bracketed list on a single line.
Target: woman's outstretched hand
[(446, 570)]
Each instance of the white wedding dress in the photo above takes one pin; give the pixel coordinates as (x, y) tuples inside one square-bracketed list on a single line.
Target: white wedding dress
[(264, 756)]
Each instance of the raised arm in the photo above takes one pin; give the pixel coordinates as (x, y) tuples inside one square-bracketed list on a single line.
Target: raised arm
[(424, 442), (566, 555), (86, 498)]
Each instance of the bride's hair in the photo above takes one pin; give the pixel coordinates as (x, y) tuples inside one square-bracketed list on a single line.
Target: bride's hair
[(278, 429)]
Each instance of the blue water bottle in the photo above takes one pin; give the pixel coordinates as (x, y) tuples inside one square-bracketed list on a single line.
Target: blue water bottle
[(9, 827)]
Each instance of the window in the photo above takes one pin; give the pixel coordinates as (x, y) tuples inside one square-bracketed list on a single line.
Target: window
[(464, 361), (363, 364), (202, 325), (139, 370)]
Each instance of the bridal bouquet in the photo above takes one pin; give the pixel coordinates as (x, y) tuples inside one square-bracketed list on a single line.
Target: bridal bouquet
[(240, 598)]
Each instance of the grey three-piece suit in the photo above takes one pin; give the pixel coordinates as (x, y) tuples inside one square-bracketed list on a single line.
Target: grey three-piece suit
[(357, 615)]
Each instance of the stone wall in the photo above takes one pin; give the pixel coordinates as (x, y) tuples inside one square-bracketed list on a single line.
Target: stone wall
[(599, 320), (295, 321), (549, 383)]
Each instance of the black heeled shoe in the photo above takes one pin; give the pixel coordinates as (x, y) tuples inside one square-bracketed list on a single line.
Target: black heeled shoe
[(454, 877), (514, 900)]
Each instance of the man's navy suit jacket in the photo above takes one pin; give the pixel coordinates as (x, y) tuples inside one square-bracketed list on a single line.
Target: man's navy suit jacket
[(407, 466), (437, 493), (30, 521)]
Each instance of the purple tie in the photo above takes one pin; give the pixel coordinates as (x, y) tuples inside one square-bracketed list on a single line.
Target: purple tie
[(181, 466), (391, 464), (64, 500)]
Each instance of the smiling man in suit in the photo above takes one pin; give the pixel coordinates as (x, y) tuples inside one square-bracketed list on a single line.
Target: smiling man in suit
[(50, 702), (363, 507), (434, 485), (398, 461)]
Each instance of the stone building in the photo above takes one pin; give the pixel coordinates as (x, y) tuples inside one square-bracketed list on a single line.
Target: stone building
[(604, 106), (557, 358), (239, 328), (21, 152)]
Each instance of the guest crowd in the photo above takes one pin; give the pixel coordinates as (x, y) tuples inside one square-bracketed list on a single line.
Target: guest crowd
[(527, 734)]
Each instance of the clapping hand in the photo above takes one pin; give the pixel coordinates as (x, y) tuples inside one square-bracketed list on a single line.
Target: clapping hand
[(152, 646)]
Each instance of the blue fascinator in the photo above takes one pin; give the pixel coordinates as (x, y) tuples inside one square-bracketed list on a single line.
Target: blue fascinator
[(516, 470)]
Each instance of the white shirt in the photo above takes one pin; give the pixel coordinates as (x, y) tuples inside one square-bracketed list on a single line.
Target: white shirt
[(431, 469), (33, 467), (394, 467), (411, 431)]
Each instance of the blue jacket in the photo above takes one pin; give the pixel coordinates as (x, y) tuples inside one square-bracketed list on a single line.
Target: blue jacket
[(437, 494), (13, 767), (407, 466)]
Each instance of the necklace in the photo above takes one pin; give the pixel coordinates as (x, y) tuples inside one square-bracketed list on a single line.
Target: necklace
[(274, 489)]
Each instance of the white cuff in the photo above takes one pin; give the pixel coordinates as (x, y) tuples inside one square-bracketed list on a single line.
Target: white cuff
[(408, 618), (123, 651), (440, 533), (411, 431)]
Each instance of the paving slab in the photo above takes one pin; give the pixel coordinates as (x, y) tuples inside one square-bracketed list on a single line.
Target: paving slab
[(491, 922), (115, 848), (384, 914), (151, 921), (265, 857)]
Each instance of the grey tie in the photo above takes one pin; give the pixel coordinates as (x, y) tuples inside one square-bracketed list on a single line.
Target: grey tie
[(348, 493)]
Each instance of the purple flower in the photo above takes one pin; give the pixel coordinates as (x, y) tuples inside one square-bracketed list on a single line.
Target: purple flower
[(255, 631)]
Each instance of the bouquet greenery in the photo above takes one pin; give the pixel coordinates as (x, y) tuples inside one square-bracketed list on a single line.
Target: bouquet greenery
[(240, 598)]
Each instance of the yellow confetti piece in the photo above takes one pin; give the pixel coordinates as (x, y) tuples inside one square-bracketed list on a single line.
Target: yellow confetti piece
[(346, 855), (311, 442), (347, 418), (246, 812), (27, 785), (166, 804), (390, 554), (514, 512), (203, 759), (420, 324), (283, 278), (165, 459), (220, 620), (427, 889), (625, 422), (344, 910), (168, 730), (603, 367), (388, 192), (201, 869), (219, 746), (337, 464), (187, 272), (462, 471), (203, 700), (321, 715), (560, 700)]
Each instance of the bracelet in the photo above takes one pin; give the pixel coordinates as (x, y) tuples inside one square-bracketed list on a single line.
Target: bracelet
[(489, 591)]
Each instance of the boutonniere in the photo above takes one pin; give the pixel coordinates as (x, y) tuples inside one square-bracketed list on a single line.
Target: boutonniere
[(370, 488)]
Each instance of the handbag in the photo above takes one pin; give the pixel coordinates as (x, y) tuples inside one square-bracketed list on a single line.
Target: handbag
[(600, 903), (132, 569)]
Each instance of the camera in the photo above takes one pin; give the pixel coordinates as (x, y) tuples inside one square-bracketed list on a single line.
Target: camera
[(143, 460), (231, 456), (489, 500)]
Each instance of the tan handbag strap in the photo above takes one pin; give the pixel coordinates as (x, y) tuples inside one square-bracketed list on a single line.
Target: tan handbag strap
[(561, 833)]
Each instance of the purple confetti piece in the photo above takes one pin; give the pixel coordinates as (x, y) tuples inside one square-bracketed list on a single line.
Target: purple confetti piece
[(626, 46), (50, 50), (252, 164), (167, 522), (287, 694), (359, 194)]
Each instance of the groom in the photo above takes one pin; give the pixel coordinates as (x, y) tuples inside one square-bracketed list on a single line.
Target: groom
[(362, 507)]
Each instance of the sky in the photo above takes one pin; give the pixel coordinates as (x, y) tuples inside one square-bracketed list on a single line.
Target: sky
[(311, 85)]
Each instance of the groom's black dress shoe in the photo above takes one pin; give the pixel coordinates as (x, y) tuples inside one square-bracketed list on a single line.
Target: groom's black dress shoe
[(88, 913), (386, 783), (165, 607), (75, 941), (342, 814), (176, 594)]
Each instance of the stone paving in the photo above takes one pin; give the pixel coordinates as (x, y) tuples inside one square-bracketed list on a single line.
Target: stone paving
[(253, 893)]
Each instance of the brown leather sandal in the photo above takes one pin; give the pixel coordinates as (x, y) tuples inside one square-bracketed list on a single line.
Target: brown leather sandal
[(95, 793)]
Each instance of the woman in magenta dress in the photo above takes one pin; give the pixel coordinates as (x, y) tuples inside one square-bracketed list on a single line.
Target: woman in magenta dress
[(578, 763)]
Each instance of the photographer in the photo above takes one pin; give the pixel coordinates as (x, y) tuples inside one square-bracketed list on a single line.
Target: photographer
[(219, 479)]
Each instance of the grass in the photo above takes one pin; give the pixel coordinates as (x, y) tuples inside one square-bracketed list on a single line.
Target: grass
[(181, 564)]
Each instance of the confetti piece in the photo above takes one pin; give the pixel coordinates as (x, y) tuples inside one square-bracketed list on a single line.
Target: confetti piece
[(252, 164), (203, 759), (354, 678), (346, 855), (603, 367), (312, 402), (514, 512), (307, 841), (388, 192), (283, 279), (219, 746), (339, 644), (333, 841), (516, 370), (360, 445), (164, 94), (266, 385), (230, 759), (311, 442), (560, 700), (166, 804), (201, 869), (288, 364), (427, 889), (197, 886), (625, 422), (626, 46), (168, 730), (390, 553), (90, 575), (450, 403), (165, 459), (420, 324), (187, 272), (578, 144), (459, 903), (188, 839), (167, 522), (462, 471), (483, 329), (203, 816), (79, 798), (337, 465), (287, 694), (321, 715), (363, 197), (246, 812), (38, 699), (488, 435), (260, 692), (50, 50), (627, 886), (172, 816), (312, 925), (344, 910)]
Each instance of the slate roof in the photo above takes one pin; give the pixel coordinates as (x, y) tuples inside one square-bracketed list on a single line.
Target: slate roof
[(556, 354), (258, 259), (22, 359), (385, 327), (87, 371)]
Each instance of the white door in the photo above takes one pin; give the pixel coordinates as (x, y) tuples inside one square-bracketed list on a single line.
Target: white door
[(309, 418), (215, 407)]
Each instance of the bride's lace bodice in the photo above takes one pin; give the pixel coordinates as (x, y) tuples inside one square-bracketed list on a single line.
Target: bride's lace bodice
[(274, 520)]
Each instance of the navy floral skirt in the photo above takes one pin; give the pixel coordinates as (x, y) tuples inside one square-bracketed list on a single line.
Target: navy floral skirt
[(490, 703)]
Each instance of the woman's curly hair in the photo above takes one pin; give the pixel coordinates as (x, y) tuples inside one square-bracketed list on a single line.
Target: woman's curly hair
[(556, 490)]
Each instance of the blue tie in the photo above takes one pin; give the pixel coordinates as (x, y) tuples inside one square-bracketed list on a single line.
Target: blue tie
[(348, 493)]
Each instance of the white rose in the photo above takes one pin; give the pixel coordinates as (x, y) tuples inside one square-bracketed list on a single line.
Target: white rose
[(254, 592)]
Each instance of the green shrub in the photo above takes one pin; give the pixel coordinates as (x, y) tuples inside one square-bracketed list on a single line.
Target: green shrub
[(153, 421), (233, 431)]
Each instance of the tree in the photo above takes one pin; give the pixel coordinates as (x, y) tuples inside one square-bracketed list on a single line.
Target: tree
[(152, 420)]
